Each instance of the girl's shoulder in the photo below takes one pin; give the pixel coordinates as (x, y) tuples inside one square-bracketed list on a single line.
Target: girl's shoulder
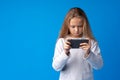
[(60, 40)]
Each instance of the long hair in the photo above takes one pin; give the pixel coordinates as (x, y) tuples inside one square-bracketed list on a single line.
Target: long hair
[(76, 12)]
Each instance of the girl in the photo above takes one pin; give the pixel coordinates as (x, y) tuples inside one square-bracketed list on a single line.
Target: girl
[(76, 63)]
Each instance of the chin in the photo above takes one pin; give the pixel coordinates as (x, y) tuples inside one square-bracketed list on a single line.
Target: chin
[(77, 35)]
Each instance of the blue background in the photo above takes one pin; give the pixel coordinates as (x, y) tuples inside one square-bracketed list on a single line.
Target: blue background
[(29, 29)]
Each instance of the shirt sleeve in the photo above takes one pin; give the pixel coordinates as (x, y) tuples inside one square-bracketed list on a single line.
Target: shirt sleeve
[(95, 58), (60, 58)]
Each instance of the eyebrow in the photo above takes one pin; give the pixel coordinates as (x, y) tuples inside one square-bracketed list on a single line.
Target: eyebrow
[(77, 25)]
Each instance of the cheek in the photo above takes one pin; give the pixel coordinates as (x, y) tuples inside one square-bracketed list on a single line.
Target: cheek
[(81, 29), (71, 30)]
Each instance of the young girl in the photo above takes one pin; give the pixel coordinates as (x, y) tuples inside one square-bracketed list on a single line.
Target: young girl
[(76, 63)]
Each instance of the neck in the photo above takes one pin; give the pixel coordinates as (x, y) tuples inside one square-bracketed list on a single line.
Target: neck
[(80, 36)]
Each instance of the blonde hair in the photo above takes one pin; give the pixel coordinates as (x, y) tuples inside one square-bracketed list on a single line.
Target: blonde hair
[(76, 12)]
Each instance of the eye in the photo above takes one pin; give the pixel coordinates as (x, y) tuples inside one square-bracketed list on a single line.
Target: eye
[(80, 26), (72, 26)]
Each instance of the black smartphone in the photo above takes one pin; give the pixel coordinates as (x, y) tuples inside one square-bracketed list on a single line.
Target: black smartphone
[(75, 43)]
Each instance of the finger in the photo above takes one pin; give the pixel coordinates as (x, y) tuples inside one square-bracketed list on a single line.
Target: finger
[(67, 47), (83, 44), (84, 48), (68, 43)]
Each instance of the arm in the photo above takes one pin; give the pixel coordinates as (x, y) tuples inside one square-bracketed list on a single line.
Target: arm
[(94, 58), (60, 58)]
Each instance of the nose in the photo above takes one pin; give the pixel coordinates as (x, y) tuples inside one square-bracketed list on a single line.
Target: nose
[(76, 29)]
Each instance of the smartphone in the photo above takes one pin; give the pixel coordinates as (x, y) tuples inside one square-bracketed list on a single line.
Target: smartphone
[(75, 43)]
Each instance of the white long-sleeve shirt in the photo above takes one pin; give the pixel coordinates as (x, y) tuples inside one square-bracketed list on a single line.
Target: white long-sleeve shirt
[(76, 66)]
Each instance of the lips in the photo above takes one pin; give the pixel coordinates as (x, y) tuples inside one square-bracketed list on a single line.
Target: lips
[(76, 33)]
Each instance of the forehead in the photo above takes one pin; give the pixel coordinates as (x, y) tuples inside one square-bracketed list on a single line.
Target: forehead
[(76, 20)]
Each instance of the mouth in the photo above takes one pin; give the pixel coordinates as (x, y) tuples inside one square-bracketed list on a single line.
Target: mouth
[(76, 33)]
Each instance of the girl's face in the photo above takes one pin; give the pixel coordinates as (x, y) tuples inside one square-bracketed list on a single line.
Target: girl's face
[(76, 27)]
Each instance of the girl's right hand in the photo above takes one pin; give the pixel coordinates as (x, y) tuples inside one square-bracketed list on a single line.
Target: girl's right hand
[(67, 47)]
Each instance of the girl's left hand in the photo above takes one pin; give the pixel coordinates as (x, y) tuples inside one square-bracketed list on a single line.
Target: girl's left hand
[(86, 47)]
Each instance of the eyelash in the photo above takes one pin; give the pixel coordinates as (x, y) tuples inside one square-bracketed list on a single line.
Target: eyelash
[(74, 26), (80, 26)]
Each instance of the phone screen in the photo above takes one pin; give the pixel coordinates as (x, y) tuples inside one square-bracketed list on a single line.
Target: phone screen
[(75, 43)]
